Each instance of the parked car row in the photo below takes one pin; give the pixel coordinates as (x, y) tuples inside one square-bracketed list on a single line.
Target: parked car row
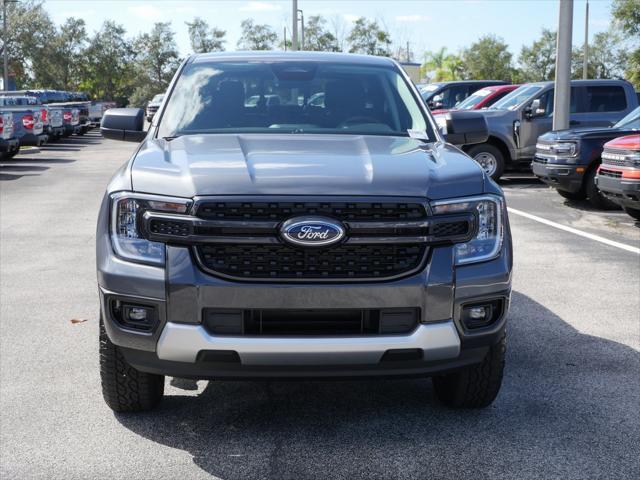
[(520, 122), (34, 117)]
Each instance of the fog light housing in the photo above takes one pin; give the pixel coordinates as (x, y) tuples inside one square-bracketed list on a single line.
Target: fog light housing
[(481, 314), (134, 316)]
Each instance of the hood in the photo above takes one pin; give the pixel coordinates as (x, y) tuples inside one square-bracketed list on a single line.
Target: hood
[(583, 133), (302, 164)]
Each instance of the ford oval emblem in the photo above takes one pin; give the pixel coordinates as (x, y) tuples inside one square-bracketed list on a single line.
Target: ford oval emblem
[(312, 231)]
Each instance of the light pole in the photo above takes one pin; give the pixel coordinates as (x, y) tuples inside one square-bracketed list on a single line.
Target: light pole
[(585, 64), (561, 100), (5, 60), (301, 29), (294, 25)]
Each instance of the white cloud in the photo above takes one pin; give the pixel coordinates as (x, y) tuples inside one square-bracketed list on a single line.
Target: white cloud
[(412, 18), (260, 7), (146, 11)]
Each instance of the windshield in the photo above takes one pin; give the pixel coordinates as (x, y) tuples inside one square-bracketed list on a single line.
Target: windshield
[(473, 100), (158, 98), (516, 98), (632, 120), (291, 97)]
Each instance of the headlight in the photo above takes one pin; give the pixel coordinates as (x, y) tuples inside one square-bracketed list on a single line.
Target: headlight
[(487, 243), (558, 149), (126, 214)]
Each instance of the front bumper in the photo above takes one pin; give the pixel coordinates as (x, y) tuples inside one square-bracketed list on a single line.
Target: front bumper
[(565, 177), (33, 140), (9, 146), (625, 192), (179, 345)]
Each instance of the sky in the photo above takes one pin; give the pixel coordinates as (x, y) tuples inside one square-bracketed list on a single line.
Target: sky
[(426, 24)]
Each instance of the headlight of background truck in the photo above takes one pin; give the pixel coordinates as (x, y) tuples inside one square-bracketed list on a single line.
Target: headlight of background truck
[(490, 214), (126, 214)]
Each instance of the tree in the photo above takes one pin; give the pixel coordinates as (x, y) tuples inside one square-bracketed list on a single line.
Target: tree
[(608, 58), (66, 53), (316, 37), (626, 14), (29, 28), (442, 66), (158, 56), (538, 61), (339, 30), (256, 37), (367, 37), (205, 39), (488, 58), (109, 59)]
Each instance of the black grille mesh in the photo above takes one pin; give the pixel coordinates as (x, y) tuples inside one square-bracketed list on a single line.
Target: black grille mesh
[(285, 262), (280, 211), (169, 227)]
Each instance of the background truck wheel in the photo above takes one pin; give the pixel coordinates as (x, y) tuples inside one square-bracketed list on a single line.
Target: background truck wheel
[(595, 197), (476, 386), (124, 388), (490, 159), (633, 212), (581, 195), (8, 155)]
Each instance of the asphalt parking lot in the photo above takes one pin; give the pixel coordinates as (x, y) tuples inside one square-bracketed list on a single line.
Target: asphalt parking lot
[(568, 407)]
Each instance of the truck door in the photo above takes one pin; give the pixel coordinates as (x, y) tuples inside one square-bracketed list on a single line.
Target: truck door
[(542, 121), (535, 123)]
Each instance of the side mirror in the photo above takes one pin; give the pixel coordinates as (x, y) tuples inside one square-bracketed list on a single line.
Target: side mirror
[(465, 128), (534, 110), (123, 124)]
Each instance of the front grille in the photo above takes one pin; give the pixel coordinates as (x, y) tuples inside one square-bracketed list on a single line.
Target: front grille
[(356, 261), (616, 162), (540, 160), (384, 238), (280, 211), (609, 173)]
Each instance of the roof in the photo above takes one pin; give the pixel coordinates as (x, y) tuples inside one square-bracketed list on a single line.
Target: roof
[(271, 55)]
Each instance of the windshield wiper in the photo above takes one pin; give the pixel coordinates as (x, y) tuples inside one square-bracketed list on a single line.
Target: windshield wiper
[(171, 137)]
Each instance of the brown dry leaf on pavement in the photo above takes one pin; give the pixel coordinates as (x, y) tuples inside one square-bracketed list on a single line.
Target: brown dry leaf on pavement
[(75, 320)]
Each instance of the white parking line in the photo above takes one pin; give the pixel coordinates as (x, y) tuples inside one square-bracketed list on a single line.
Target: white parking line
[(575, 231)]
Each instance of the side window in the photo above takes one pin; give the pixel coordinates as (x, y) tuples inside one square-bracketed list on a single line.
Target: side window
[(605, 98), (457, 94), (546, 102)]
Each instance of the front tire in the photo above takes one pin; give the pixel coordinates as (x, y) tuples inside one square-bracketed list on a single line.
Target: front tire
[(124, 388), (476, 386), (633, 212), (572, 195), (490, 158)]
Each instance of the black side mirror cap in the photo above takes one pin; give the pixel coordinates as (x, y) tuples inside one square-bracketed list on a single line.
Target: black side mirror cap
[(123, 124), (466, 128)]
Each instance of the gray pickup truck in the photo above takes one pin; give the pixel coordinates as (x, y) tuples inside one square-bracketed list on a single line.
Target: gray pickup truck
[(516, 121), (291, 239)]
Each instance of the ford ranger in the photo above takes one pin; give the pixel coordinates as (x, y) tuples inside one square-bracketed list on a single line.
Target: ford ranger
[(253, 240)]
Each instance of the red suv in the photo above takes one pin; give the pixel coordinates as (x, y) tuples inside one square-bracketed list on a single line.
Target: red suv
[(619, 175)]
